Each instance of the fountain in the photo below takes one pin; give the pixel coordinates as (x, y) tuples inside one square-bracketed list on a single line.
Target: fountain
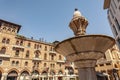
[(84, 50)]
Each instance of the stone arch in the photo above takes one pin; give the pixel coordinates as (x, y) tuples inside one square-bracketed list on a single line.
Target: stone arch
[(60, 72), (25, 70), (52, 72), (12, 75), (35, 75), (1, 70), (13, 69), (25, 75), (44, 72)]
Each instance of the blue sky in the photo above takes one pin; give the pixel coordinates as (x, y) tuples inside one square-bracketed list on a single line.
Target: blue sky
[(49, 19)]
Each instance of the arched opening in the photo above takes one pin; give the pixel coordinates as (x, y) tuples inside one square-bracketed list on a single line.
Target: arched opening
[(52, 73), (24, 76), (44, 75), (12, 75), (60, 72), (60, 75), (0, 75), (35, 75)]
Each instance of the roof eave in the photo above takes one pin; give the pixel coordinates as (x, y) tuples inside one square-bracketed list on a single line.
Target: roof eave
[(106, 4)]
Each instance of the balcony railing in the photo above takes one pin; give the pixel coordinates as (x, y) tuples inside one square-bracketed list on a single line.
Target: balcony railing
[(52, 52), (18, 47), (37, 59), (4, 55), (60, 61)]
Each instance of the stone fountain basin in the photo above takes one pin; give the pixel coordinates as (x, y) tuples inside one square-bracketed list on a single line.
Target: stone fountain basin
[(85, 47)]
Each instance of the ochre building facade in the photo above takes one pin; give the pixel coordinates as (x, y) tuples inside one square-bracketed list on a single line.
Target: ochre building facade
[(24, 58)]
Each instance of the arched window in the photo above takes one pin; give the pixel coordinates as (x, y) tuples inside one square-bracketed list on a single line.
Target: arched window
[(29, 44), (26, 63), (60, 58), (17, 53), (8, 41), (21, 43), (13, 62), (52, 57), (17, 42), (17, 62), (27, 54), (37, 54), (45, 48), (45, 56), (9, 29), (3, 40), (35, 46), (3, 50), (45, 64)]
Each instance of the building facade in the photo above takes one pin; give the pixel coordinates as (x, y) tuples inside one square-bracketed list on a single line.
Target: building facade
[(24, 58), (113, 12), (109, 66)]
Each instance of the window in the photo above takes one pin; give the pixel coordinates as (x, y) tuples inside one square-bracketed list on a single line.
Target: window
[(29, 44), (45, 56), (114, 4), (60, 57), (114, 30), (17, 42), (26, 63), (8, 41), (21, 43), (117, 24), (108, 63), (17, 53), (60, 65), (3, 40), (37, 54), (101, 64), (37, 64), (118, 41), (35, 46), (13, 63), (17, 62), (9, 29), (0, 61), (45, 64), (45, 48), (3, 50), (52, 57), (27, 54)]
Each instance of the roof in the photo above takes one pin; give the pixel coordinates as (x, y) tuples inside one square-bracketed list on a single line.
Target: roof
[(17, 25), (106, 4)]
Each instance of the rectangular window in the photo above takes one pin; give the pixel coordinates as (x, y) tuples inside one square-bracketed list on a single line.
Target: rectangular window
[(117, 24), (0, 62), (108, 63), (114, 4), (112, 8), (114, 30), (101, 64), (118, 41), (111, 13)]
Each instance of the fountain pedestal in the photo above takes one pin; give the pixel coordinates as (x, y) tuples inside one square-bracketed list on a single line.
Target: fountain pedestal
[(84, 50)]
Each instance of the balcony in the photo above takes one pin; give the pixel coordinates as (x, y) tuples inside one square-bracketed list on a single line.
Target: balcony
[(18, 47), (4, 55), (60, 61), (37, 59), (52, 52)]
